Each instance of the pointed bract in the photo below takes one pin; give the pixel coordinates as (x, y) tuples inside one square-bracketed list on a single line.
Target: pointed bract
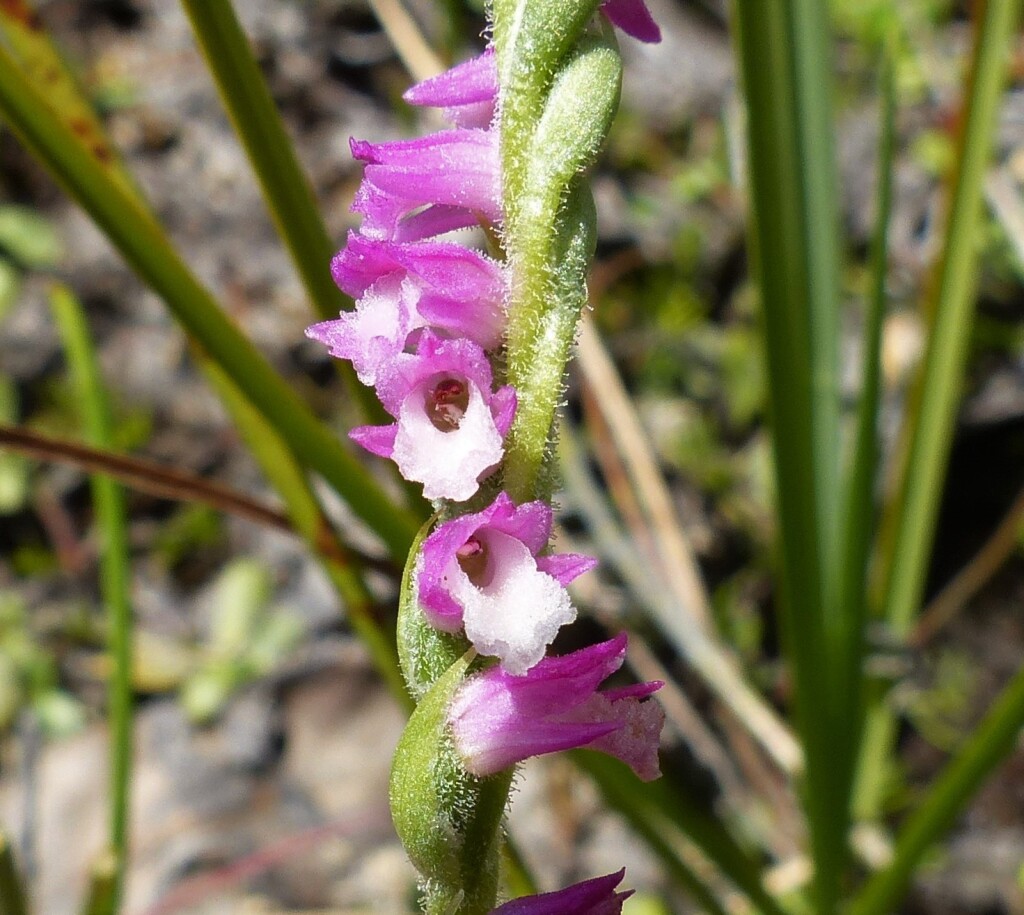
[(596, 896)]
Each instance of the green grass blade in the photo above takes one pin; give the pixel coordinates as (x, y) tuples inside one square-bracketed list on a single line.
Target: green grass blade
[(909, 523), (286, 189), (12, 893), (859, 512), (112, 528), (45, 67), (101, 895), (662, 814), (783, 53), (285, 186), (140, 240), (994, 739)]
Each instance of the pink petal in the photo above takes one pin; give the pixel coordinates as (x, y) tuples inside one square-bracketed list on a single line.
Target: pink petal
[(633, 17), (596, 896), (467, 92), (378, 440), (566, 567)]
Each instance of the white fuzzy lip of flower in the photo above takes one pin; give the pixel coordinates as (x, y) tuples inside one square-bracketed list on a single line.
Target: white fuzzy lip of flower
[(448, 462), (514, 610)]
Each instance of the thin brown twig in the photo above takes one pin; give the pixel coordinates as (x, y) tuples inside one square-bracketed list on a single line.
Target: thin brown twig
[(973, 576), (156, 480)]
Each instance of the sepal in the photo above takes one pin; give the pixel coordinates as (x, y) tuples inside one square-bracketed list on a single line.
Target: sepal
[(447, 819)]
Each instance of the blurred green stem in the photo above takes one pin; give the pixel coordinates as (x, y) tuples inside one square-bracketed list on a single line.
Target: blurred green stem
[(908, 525), (784, 50), (859, 514), (12, 894), (112, 548)]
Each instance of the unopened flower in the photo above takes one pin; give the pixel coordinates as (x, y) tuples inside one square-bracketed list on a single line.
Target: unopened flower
[(467, 92), (498, 719), (483, 572), (596, 896), (401, 288), (456, 169), (450, 426), (633, 17)]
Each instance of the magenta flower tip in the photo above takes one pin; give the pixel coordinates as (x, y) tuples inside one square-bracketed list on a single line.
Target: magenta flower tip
[(634, 18), (467, 92), (596, 896), (498, 719)]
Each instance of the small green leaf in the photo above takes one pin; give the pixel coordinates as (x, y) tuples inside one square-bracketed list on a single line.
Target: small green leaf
[(59, 714), (239, 598), (29, 238)]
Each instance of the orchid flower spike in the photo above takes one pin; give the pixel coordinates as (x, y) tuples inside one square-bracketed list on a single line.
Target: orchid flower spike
[(596, 896), (483, 572), (450, 426), (401, 288), (497, 719)]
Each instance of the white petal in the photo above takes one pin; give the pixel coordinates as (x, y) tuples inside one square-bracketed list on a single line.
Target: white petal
[(448, 464), (517, 614)]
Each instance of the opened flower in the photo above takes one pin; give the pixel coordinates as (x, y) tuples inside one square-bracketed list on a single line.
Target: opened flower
[(483, 572), (456, 169), (591, 897), (498, 719), (450, 426), (400, 288)]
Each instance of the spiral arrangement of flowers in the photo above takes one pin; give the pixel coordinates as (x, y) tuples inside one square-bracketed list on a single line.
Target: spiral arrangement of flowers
[(466, 351)]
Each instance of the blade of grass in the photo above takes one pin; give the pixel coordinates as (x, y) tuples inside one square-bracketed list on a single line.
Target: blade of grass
[(286, 189), (860, 508), (102, 894), (664, 816), (141, 241), (995, 737), (783, 50), (44, 65), (115, 576), (908, 524), (12, 894), (285, 186), (42, 61)]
